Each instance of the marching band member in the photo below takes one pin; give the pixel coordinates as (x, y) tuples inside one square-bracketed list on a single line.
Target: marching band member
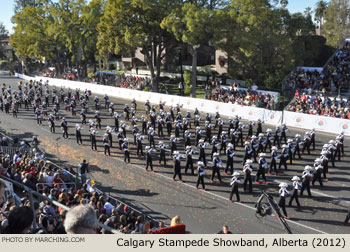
[(149, 151), (296, 187), (201, 173), (307, 176), (283, 192), (235, 181), (216, 167), (247, 170), (177, 166), (189, 159), (261, 170), (78, 134)]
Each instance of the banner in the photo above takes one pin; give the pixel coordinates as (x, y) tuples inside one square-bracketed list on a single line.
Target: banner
[(320, 123)]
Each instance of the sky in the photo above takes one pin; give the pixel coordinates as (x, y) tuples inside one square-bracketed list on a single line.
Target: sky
[(6, 9)]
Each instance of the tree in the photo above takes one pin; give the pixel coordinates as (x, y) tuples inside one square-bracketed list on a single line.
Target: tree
[(19, 5), (126, 26), (3, 31), (191, 23), (321, 7), (336, 27)]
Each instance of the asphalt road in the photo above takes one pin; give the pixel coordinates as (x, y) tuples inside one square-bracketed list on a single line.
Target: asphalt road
[(157, 195)]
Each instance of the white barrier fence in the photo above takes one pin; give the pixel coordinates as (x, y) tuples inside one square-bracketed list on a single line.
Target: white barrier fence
[(320, 123), (292, 119)]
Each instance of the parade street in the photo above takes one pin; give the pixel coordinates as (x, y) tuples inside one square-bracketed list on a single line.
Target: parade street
[(156, 194)]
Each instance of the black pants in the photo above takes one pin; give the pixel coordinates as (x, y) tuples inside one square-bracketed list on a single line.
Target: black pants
[(162, 157), (261, 172), (240, 138), (200, 179), (203, 159), (268, 143), (107, 150), (306, 146), (149, 163), (297, 150), (177, 172), (52, 129), (216, 170), (93, 144), (246, 180), (294, 196), (234, 190), (79, 140), (277, 139), (306, 184), (65, 133), (283, 161), (139, 149), (282, 205), (120, 144), (229, 164), (126, 156), (189, 163), (317, 177)]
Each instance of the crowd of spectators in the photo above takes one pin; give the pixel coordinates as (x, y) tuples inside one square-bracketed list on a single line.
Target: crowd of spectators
[(335, 75), (250, 97), (320, 105), (40, 175)]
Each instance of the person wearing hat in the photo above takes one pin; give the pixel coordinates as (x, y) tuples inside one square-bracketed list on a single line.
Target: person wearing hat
[(98, 119), (338, 147), (318, 171), (177, 166), (106, 145), (298, 143), (229, 161), (235, 181), (259, 127), (250, 128), (151, 137), (248, 151), (185, 124), (261, 170), (341, 139), (247, 170), (64, 126), (283, 192), (202, 155), (177, 125), (277, 137), (51, 121), (220, 125), (197, 119), (109, 131), (269, 139), (149, 151), (126, 111), (291, 149), (135, 131), (201, 173), (216, 144), (223, 142), (283, 133), (254, 145), (217, 118), (83, 116), (162, 148), (261, 143), (93, 139), (160, 122), (208, 128), (139, 139), (188, 135), (125, 148), (173, 147), (78, 134), (307, 176), (324, 162), (123, 127), (216, 167), (307, 141), (120, 137), (312, 138), (239, 131), (168, 121), (284, 157), (233, 134), (296, 187), (273, 162), (189, 159), (331, 150)]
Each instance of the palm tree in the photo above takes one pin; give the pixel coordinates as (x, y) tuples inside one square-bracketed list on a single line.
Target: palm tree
[(321, 7)]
